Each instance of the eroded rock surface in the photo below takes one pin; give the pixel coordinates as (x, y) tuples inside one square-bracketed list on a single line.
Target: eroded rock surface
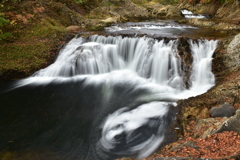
[(232, 124), (232, 60), (164, 11), (119, 10)]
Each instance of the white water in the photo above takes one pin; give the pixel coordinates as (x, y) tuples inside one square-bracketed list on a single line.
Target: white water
[(153, 29), (154, 60), (202, 78), (189, 14), (141, 62), (184, 11), (147, 25), (121, 122)]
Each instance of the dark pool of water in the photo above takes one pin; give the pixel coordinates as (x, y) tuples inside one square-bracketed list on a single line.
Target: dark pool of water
[(62, 119)]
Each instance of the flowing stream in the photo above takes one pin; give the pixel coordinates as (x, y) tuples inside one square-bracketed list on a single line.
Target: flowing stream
[(104, 97), (189, 14)]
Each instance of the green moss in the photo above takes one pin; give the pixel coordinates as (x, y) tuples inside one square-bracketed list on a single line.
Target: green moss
[(32, 50), (96, 28), (4, 35), (23, 57), (140, 2), (46, 28)]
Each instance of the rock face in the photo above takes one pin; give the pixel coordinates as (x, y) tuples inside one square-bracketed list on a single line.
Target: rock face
[(230, 11), (226, 16), (200, 8), (232, 124), (233, 57), (225, 110), (120, 9), (216, 25), (164, 11), (210, 126), (123, 10), (70, 17)]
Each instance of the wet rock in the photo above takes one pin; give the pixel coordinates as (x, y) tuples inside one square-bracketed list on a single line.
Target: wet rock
[(225, 110)]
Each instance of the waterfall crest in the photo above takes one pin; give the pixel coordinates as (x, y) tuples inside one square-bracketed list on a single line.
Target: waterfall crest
[(156, 61)]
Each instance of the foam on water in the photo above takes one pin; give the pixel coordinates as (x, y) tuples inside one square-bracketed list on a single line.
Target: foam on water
[(160, 29), (123, 125)]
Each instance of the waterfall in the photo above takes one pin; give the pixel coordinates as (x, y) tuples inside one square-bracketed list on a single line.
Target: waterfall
[(202, 77), (189, 14), (110, 95), (157, 61)]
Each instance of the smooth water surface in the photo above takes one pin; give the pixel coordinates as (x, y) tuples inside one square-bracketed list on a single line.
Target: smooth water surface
[(163, 28)]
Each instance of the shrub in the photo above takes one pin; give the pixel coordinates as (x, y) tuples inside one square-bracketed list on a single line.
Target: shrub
[(3, 35)]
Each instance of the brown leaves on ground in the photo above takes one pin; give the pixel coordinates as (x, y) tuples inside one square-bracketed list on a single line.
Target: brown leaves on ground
[(217, 146)]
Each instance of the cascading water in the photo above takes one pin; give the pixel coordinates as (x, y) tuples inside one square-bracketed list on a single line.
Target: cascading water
[(202, 78), (119, 89), (189, 14), (155, 60)]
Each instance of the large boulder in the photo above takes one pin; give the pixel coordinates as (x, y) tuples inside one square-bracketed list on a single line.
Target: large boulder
[(224, 110), (233, 50), (232, 124)]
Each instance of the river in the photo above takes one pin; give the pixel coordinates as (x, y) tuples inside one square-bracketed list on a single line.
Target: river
[(106, 97)]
